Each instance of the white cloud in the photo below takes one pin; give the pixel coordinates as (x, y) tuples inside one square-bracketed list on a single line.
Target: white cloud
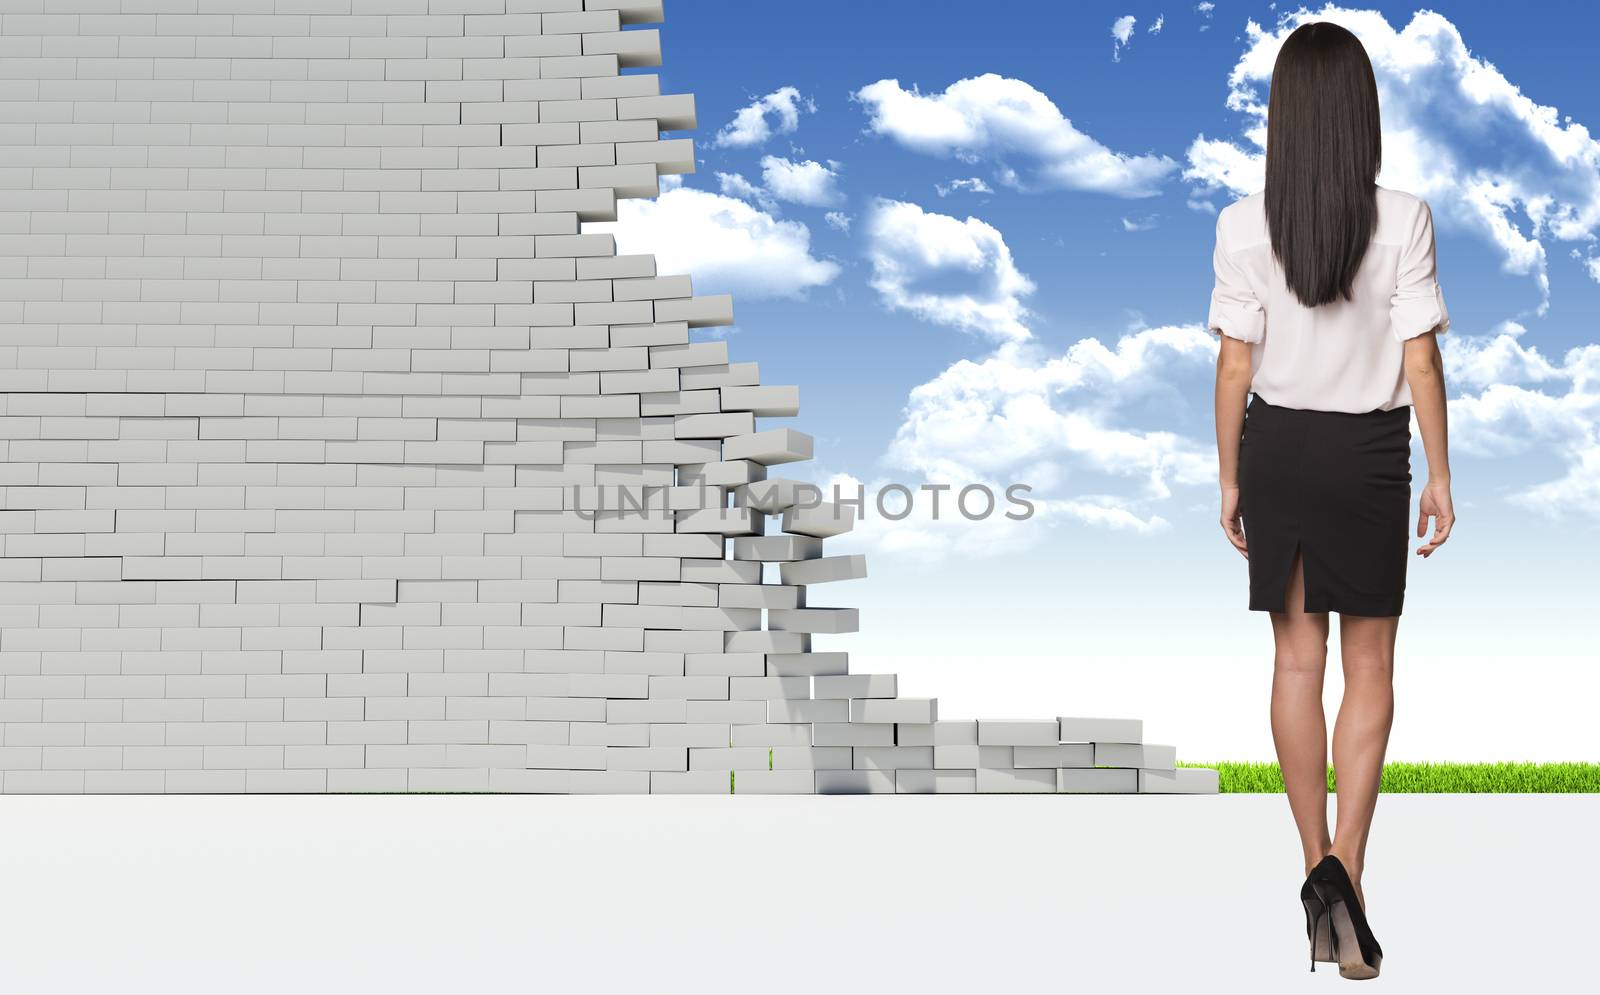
[(1072, 425), (1498, 357), (723, 243), (776, 113), (837, 220), (810, 183), (996, 118), (1487, 157), (1222, 164), (1059, 425), (946, 270), (975, 184), (1107, 513), (1121, 31), (1155, 28), (1508, 419), (1145, 223), (735, 185), (1018, 411), (1067, 424)]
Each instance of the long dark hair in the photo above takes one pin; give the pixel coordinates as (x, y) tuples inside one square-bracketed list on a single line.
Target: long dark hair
[(1324, 149)]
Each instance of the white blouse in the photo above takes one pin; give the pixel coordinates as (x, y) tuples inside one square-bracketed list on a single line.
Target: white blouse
[(1342, 356)]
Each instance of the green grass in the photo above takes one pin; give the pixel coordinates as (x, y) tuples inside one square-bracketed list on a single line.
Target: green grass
[(1491, 778)]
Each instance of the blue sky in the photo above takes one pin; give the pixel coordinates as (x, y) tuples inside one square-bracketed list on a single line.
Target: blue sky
[(979, 240)]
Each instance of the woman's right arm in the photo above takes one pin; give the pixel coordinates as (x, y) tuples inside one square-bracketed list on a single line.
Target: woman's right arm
[(1425, 373)]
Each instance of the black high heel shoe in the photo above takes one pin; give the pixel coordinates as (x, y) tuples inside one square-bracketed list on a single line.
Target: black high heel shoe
[(1319, 927), (1354, 946)]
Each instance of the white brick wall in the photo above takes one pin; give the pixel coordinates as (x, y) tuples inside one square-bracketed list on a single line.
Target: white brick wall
[(310, 385)]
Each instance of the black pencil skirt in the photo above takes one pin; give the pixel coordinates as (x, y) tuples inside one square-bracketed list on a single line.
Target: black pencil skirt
[(1337, 487)]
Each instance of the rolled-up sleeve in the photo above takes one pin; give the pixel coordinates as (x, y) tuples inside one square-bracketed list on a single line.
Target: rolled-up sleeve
[(1235, 309), (1417, 306)]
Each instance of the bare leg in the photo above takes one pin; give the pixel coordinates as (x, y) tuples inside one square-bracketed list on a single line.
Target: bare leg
[(1361, 734), (1299, 729)]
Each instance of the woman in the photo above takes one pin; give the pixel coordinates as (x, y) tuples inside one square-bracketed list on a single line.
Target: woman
[(1328, 308)]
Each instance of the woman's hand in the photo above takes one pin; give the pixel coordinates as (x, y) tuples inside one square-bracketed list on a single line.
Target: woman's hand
[(1436, 503), (1231, 525)]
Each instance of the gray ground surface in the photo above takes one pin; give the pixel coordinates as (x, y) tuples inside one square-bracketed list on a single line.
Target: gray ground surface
[(899, 894)]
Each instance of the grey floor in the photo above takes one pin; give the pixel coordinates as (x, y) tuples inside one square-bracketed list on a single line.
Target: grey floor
[(899, 894)]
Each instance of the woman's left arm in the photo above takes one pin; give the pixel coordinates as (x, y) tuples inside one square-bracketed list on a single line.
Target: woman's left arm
[(1233, 386), (1424, 368)]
